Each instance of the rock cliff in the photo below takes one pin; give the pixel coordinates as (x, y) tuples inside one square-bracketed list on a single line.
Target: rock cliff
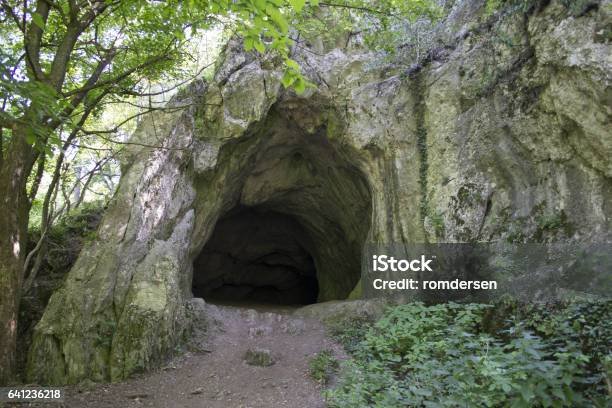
[(501, 132)]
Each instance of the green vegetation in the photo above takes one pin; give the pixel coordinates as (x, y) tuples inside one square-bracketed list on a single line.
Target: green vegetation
[(508, 355), (491, 6), (540, 226), (384, 25), (437, 221), (322, 366), (62, 245), (554, 222), (350, 332), (55, 248), (575, 7), (79, 224)]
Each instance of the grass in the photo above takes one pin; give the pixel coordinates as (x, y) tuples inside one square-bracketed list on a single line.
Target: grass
[(322, 366)]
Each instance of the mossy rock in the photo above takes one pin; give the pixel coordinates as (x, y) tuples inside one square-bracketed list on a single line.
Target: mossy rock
[(259, 357)]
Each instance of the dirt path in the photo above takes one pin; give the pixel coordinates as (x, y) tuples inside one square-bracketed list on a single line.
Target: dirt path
[(220, 377)]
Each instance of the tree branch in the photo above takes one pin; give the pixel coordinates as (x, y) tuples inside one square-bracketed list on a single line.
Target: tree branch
[(33, 38), (98, 166), (134, 116), (359, 8), (166, 90), (39, 174), (74, 30), (90, 86)]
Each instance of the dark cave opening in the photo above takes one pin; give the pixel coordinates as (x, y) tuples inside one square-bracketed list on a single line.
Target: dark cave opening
[(257, 255), (282, 219)]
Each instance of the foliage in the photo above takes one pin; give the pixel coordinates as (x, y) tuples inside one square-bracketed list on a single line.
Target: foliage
[(523, 6), (350, 332), (585, 325), (322, 366), (87, 177), (81, 222), (67, 236), (443, 356), (436, 220), (384, 25), (553, 221), (575, 7)]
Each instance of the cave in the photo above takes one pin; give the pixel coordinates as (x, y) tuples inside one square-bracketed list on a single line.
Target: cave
[(295, 214), (257, 256)]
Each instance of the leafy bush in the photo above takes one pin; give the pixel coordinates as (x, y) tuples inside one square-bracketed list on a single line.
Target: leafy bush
[(443, 356), (585, 326), (350, 332), (322, 366)]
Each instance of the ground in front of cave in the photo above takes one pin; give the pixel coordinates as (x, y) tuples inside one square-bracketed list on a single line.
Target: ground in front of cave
[(217, 375)]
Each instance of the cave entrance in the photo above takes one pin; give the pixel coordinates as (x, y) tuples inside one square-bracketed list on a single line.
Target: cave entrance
[(257, 256), (284, 216)]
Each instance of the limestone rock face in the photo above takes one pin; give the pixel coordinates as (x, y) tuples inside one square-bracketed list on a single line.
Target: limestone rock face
[(501, 133)]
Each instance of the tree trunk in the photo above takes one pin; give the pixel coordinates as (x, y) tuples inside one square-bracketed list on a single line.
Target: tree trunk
[(14, 211)]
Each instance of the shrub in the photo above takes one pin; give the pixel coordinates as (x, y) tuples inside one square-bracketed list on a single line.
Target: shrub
[(322, 366), (350, 332), (443, 356)]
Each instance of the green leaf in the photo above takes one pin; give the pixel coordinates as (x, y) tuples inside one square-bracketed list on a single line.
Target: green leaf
[(30, 136), (38, 20), (259, 46), (292, 64), (248, 43), (288, 79), (298, 5), (277, 18), (300, 87)]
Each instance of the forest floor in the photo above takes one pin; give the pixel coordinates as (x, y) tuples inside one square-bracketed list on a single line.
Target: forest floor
[(217, 375)]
